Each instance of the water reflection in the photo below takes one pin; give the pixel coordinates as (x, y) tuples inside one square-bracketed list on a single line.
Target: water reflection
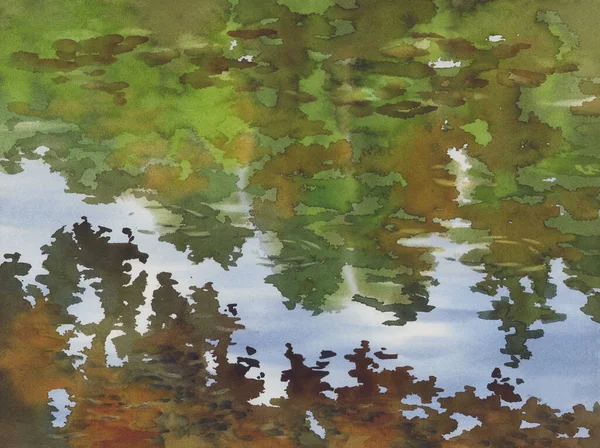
[(180, 382), (434, 339), (421, 175), (164, 361)]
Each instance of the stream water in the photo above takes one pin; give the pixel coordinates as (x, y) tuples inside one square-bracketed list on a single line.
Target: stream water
[(450, 342)]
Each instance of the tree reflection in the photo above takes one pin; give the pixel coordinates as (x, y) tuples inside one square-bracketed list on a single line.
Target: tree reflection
[(178, 384), (343, 127), (342, 131)]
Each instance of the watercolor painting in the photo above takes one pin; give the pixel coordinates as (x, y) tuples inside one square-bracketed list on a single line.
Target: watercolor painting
[(299, 223)]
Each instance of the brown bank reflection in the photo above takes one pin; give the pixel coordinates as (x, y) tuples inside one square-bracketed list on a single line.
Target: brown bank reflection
[(176, 384)]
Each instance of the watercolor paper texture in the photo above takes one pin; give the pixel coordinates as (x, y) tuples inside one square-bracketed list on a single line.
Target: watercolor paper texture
[(299, 223)]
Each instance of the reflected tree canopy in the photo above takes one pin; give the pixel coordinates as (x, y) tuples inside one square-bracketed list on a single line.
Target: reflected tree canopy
[(357, 138), (338, 128), (174, 382)]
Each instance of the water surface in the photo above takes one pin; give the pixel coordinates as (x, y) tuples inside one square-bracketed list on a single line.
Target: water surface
[(335, 223)]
